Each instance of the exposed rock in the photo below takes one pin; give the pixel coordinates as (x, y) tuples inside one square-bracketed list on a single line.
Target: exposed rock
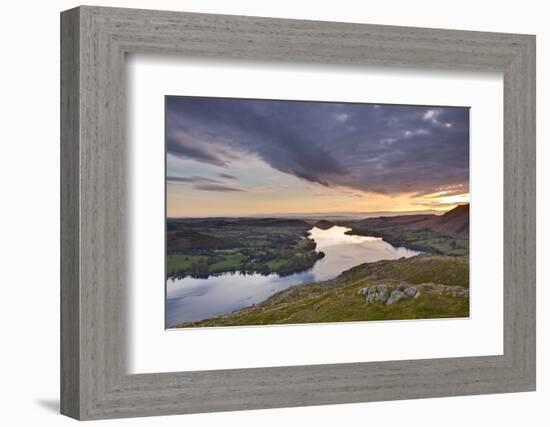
[(410, 291), (376, 293), (390, 294), (395, 296), (456, 291)]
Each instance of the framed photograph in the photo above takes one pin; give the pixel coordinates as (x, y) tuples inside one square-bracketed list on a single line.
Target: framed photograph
[(265, 212), (262, 213)]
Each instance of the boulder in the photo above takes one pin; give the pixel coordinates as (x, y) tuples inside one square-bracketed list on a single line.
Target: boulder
[(390, 294), (395, 296), (457, 291), (377, 293), (410, 291)]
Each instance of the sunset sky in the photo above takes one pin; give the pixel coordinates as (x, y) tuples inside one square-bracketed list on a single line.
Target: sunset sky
[(238, 157)]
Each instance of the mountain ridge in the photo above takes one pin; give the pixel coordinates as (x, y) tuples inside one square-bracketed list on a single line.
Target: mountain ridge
[(453, 223)]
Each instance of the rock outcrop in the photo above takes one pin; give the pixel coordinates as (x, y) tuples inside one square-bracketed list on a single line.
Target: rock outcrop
[(391, 294)]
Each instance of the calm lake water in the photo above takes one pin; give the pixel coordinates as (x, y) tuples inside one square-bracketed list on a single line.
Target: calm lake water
[(191, 299)]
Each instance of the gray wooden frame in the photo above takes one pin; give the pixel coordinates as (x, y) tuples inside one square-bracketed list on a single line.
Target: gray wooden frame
[(94, 382)]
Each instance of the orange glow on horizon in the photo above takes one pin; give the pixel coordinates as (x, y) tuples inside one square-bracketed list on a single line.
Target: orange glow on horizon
[(330, 201)]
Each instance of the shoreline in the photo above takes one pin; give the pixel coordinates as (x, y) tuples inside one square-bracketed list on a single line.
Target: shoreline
[(298, 285), (320, 255), (316, 290)]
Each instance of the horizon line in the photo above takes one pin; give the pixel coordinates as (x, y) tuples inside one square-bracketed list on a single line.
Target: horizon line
[(272, 214)]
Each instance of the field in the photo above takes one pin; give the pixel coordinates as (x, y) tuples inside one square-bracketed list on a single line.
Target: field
[(423, 240), (182, 263), (203, 247)]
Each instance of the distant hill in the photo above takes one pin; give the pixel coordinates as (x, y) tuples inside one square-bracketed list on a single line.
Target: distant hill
[(273, 222), (446, 234), (324, 224), (181, 240), (402, 221), (340, 216), (179, 223), (454, 223)]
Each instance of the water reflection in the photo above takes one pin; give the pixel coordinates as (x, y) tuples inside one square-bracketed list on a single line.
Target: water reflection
[(195, 299)]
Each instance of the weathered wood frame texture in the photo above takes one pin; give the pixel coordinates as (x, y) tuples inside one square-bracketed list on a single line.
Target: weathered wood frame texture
[(94, 41)]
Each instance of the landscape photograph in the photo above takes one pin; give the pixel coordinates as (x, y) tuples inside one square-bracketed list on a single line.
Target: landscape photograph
[(295, 212)]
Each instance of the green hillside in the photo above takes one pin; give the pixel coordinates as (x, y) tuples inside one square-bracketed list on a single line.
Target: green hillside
[(421, 287)]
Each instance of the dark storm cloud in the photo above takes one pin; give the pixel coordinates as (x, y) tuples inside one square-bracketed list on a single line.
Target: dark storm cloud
[(382, 148)]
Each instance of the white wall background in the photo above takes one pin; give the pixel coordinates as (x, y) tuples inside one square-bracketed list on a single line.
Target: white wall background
[(29, 224)]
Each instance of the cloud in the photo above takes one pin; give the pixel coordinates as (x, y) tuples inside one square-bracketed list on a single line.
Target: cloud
[(190, 179), (438, 205), (390, 149), (431, 115), (203, 183), (341, 117), (420, 131), (449, 190), (227, 176), (216, 187), (182, 145)]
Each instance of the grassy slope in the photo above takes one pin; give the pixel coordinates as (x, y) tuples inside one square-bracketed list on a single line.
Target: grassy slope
[(338, 300), (423, 240), (446, 234)]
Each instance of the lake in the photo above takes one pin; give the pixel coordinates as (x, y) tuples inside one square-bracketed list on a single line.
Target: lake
[(190, 299)]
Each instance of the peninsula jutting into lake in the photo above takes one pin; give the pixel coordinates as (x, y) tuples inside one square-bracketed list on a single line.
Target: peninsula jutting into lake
[(284, 212)]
